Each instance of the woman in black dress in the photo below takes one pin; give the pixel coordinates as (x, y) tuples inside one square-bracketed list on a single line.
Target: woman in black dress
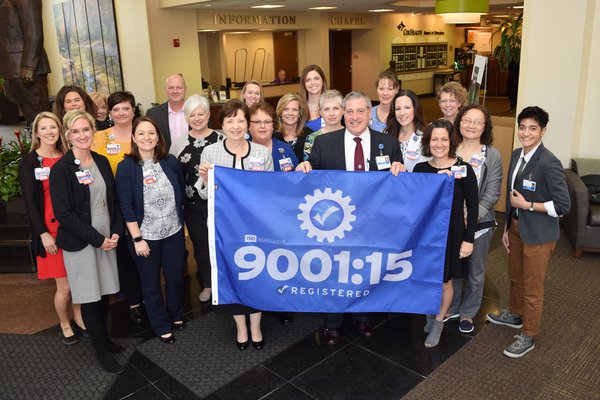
[(440, 142)]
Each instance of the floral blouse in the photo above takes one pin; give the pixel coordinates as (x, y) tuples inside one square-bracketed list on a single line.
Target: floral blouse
[(190, 161)]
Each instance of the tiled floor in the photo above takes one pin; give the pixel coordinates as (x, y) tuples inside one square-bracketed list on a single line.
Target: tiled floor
[(386, 366)]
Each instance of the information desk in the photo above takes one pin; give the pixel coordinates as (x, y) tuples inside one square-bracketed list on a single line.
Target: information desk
[(272, 93)]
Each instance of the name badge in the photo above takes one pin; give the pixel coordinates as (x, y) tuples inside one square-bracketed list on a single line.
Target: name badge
[(476, 162), (529, 185), (383, 162), (149, 177), (42, 174), (84, 177), (285, 164), (459, 171), (256, 163), (412, 155), (113, 148)]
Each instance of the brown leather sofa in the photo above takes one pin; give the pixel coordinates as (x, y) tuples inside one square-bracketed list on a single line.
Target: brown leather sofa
[(582, 223)]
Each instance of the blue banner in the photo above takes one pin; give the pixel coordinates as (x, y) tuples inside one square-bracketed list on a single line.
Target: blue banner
[(329, 241)]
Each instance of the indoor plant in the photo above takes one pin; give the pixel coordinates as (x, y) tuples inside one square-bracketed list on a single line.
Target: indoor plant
[(508, 53), (10, 156)]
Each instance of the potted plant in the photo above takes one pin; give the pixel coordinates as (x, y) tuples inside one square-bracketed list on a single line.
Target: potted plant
[(11, 154), (508, 53), (9, 110)]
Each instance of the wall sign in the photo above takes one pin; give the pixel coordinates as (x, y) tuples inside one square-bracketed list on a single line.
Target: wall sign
[(417, 32), (230, 19)]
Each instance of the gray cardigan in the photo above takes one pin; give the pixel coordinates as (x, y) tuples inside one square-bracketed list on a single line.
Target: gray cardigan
[(490, 185)]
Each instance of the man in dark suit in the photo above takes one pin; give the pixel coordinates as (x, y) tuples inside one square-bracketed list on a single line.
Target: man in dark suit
[(536, 197), (354, 148), (23, 62), (169, 116)]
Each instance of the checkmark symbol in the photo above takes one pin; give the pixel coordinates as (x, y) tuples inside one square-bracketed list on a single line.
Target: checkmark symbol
[(281, 289), (322, 218)]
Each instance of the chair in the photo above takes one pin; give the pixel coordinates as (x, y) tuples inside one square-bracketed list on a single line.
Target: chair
[(582, 223)]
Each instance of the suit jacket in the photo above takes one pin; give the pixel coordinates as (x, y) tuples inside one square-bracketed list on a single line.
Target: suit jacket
[(548, 174), (130, 187), (22, 38), (33, 197), (328, 150), (71, 203), (160, 115)]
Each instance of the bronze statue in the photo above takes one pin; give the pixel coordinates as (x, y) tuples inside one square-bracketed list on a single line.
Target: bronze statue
[(23, 62)]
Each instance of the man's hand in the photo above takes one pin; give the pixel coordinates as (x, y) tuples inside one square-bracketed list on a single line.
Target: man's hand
[(397, 167)]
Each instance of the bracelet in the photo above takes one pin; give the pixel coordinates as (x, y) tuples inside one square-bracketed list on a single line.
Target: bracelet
[(138, 239)]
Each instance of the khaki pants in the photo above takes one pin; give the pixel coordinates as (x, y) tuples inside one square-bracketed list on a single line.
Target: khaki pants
[(527, 266)]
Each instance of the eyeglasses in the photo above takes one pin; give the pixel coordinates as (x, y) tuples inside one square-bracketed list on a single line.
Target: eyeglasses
[(260, 123), (448, 101), (475, 122)]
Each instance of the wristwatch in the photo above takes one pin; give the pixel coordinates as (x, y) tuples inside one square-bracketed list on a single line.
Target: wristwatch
[(531, 206), (138, 239)]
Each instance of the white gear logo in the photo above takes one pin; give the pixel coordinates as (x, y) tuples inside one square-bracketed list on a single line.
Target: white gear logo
[(308, 225)]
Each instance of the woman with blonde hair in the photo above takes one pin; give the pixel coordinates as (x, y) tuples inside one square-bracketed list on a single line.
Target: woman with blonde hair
[(291, 116), (252, 93), (82, 189), (451, 97), (48, 145)]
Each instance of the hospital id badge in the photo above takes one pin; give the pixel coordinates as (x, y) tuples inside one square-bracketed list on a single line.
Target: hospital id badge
[(285, 164), (412, 155), (459, 171), (256, 163), (84, 177), (383, 162), (529, 185), (42, 174), (149, 177), (113, 148)]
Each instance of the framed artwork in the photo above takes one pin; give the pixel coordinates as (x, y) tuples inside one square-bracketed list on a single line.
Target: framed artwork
[(88, 45)]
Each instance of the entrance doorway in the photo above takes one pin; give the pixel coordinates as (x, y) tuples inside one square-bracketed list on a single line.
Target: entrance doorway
[(340, 61), (285, 53)]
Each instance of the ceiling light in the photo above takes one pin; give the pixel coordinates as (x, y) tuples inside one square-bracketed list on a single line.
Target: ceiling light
[(268, 6), (518, 7), (461, 11), (381, 10), (323, 8)]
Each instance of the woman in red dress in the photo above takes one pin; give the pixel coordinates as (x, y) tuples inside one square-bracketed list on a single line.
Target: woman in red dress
[(47, 146)]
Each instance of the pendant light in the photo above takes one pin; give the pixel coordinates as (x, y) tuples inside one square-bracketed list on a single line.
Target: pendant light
[(461, 11)]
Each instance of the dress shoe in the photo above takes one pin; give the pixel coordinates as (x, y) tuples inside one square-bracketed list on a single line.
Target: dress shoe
[(205, 295), (80, 331), (285, 318), (114, 347), (67, 340), (242, 345), (178, 325), (109, 364), (258, 345), (364, 328), (135, 315), (169, 339), (332, 336)]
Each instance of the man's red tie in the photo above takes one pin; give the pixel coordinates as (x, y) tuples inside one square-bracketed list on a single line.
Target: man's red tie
[(359, 156)]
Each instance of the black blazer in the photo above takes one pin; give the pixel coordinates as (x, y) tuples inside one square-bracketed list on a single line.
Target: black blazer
[(32, 191), (160, 115), (71, 203), (328, 150)]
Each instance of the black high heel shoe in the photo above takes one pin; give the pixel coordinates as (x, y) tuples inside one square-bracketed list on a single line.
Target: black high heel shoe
[(258, 345), (242, 345), (168, 340)]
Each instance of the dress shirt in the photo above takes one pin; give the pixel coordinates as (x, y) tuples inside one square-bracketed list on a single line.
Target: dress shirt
[(548, 205), (350, 147), (177, 124)]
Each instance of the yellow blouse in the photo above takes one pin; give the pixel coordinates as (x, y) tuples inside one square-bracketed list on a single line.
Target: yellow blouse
[(106, 144)]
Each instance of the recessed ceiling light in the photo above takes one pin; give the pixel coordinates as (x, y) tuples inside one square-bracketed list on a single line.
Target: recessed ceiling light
[(518, 6), (381, 10), (268, 6), (323, 8)]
